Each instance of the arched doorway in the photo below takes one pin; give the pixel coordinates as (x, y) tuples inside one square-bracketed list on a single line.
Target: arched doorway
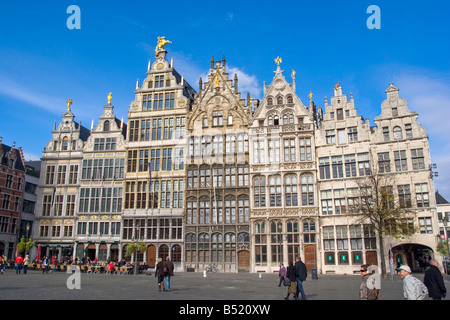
[(416, 256)]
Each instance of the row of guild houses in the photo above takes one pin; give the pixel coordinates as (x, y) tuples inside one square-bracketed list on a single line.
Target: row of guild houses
[(208, 177)]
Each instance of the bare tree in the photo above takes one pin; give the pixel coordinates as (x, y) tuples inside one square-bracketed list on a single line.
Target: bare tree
[(377, 204)]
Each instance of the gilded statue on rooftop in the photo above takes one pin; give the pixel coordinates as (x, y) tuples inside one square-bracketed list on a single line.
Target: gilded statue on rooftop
[(161, 43)]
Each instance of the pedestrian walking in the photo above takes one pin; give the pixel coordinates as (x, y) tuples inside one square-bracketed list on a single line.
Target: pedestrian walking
[(169, 272), (434, 281), (19, 262), (2, 264), (159, 274), (26, 262), (54, 262), (413, 288), (291, 277), (365, 293), (45, 264), (281, 274), (300, 275)]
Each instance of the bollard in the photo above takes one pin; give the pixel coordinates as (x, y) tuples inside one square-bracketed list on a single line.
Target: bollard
[(204, 274), (260, 275)]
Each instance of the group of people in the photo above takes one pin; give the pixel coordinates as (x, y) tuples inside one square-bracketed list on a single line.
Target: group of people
[(293, 277), (413, 289)]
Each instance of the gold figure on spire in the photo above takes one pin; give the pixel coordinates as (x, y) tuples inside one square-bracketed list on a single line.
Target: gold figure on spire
[(278, 61), (109, 98), (217, 80), (161, 43), (337, 85), (310, 96), (69, 102), (293, 74)]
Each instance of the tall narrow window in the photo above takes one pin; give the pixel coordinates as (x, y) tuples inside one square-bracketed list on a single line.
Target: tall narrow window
[(290, 190), (275, 190)]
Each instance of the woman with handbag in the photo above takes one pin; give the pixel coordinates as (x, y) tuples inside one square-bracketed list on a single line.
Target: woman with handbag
[(160, 273), (290, 281)]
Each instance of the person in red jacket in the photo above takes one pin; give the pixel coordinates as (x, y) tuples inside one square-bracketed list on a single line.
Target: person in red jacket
[(19, 262)]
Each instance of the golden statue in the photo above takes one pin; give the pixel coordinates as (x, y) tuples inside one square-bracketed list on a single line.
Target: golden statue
[(310, 96), (69, 102), (217, 80), (250, 100), (337, 85), (109, 98), (161, 43), (293, 74), (278, 61)]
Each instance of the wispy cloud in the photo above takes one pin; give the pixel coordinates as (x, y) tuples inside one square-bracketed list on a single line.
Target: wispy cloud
[(23, 93), (429, 94), (246, 82)]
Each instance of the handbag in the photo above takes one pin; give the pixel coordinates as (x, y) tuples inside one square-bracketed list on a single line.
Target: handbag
[(287, 282)]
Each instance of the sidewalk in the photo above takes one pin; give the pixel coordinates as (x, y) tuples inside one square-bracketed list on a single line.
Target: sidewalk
[(186, 286)]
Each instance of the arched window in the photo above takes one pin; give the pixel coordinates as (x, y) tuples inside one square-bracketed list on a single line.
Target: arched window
[(291, 119), (259, 191), (279, 100), (285, 119), (106, 126), (307, 189), (163, 252), (176, 253), (217, 247), (276, 121), (275, 190), (398, 133), (309, 231), (269, 101), (276, 238), (290, 99), (260, 244), (270, 121), (290, 190), (293, 239), (65, 143), (203, 248), (230, 247)]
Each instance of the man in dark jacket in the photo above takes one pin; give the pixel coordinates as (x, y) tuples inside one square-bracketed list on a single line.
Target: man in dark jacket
[(300, 276), (169, 272), (434, 281)]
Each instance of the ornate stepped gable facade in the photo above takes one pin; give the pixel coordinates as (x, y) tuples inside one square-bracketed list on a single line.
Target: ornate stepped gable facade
[(343, 157), (99, 206), (58, 187), (284, 204), (217, 191), (155, 169), (210, 178), (400, 148)]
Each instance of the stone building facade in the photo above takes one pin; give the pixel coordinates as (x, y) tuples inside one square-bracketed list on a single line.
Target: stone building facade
[(284, 202), (210, 178), (100, 196), (61, 161), (154, 182), (217, 212)]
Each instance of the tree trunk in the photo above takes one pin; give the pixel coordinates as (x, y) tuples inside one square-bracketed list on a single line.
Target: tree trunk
[(382, 256)]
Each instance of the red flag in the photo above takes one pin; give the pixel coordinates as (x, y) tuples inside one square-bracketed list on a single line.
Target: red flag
[(38, 258)]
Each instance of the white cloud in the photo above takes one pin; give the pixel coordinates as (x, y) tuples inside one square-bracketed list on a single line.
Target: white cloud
[(31, 156), (246, 82), (429, 96)]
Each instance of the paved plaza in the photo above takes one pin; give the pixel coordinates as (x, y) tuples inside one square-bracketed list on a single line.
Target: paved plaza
[(184, 286)]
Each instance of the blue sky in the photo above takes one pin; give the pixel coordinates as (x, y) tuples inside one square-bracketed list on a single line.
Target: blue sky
[(43, 63)]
